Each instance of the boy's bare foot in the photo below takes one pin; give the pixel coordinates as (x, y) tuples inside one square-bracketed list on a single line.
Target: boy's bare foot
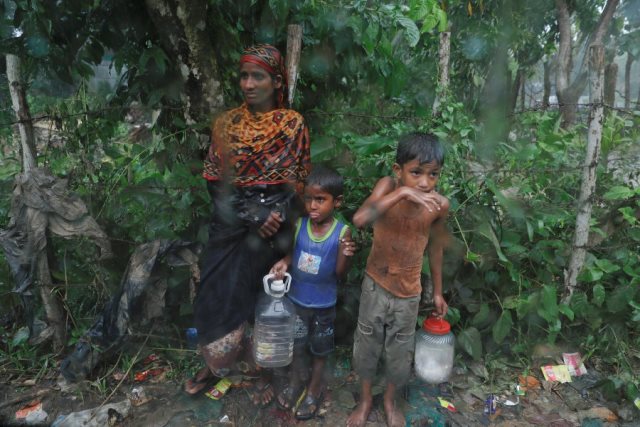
[(359, 416), (395, 417), (262, 392)]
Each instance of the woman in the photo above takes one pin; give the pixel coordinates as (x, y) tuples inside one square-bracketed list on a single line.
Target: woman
[(259, 156)]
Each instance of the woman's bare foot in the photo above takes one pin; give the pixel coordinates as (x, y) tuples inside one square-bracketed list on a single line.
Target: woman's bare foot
[(395, 417), (199, 381), (359, 416)]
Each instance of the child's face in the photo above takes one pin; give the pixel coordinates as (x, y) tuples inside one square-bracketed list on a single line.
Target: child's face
[(423, 177), (319, 204)]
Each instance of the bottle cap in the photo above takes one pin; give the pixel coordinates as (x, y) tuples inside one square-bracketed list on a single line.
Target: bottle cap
[(278, 286), (436, 326)]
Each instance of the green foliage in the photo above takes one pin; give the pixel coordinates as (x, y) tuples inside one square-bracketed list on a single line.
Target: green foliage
[(368, 75)]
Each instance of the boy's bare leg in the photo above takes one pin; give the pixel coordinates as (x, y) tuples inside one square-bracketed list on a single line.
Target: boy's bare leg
[(359, 416), (395, 417), (287, 397), (317, 374), (310, 404)]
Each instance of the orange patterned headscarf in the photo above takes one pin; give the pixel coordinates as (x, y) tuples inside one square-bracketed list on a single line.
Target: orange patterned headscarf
[(263, 148), (270, 59)]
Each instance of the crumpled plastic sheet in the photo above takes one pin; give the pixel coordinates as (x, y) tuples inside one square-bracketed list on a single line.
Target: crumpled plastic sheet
[(42, 201), (140, 298)]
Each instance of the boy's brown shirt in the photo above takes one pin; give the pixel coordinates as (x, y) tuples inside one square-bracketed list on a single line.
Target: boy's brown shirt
[(400, 237)]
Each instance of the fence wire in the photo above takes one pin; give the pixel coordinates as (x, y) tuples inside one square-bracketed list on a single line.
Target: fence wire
[(356, 114)]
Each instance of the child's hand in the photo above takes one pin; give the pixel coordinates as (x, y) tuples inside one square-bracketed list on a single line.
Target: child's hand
[(279, 268), (441, 306), (347, 246), (431, 201)]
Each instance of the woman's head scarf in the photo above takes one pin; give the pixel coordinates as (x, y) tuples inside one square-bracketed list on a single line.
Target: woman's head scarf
[(269, 58)]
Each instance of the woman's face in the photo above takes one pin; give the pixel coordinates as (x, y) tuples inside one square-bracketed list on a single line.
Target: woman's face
[(258, 87)]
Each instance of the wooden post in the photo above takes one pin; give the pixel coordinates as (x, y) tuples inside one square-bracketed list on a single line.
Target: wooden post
[(444, 52), (610, 80), (21, 108), (588, 186), (294, 46)]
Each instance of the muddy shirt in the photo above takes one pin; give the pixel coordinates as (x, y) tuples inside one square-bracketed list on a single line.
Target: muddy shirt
[(400, 238)]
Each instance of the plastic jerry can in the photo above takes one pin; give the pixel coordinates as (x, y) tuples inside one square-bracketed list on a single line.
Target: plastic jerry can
[(274, 324), (434, 351)]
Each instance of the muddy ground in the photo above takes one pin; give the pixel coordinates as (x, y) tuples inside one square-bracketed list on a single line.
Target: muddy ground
[(163, 403)]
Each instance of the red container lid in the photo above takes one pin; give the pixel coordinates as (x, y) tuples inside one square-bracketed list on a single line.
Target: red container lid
[(436, 326)]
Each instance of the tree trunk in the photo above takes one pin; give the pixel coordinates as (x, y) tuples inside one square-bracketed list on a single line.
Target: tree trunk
[(515, 90), (569, 92), (21, 108), (294, 46), (182, 28), (444, 54), (627, 81), (588, 185), (610, 80), (523, 92), (52, 304), (547, 85)]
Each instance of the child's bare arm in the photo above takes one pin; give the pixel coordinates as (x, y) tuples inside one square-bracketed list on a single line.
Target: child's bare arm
[(345, 254), (437, 239), (385, 195)]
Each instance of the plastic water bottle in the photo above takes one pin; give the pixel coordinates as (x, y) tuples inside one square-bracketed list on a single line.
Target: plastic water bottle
[(274, 326), (434, 351)]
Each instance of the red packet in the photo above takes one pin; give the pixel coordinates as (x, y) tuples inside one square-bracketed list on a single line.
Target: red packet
[(574, 364)]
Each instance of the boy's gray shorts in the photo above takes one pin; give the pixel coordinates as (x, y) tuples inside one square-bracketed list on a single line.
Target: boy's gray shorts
[(386, 326)]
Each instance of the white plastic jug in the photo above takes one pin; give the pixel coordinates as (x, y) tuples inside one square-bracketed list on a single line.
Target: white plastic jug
[(434, 351), (274, 325)]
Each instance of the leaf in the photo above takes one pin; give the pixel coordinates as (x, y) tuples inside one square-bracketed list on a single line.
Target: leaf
[(549, 307), (607, 266), (486, 230), (619, 298), (618, 192), (453, 316), (502, 327), (471, 342), (20, 337), (481, 317), (580, 305), (469, 8), (564, 309), (598, 295), (412, 33)]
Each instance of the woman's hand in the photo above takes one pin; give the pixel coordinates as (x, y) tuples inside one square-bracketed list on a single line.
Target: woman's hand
[(271, 225), (347, 246), (279, 268)]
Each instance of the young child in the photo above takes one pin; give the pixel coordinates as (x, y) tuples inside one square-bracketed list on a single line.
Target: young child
[(408, 216), (321, 255)]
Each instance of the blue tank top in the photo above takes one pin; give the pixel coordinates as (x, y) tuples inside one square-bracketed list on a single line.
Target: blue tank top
[(313, 265)]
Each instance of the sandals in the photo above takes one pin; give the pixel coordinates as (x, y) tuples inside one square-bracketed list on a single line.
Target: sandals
[(287, 398), (308, 407)]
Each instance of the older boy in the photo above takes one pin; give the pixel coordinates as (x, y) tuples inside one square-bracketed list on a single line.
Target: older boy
[(406, 213)]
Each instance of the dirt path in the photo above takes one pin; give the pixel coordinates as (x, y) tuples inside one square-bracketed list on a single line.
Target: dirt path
[(552, 404)]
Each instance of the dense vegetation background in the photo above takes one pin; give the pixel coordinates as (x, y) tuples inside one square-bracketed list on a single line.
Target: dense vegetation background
[(121, 95)]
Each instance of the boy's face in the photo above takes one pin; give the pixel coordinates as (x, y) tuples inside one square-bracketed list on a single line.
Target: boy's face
[(422, 177), (319, 204)]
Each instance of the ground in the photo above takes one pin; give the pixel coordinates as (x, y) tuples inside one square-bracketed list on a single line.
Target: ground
[(161, 401)]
